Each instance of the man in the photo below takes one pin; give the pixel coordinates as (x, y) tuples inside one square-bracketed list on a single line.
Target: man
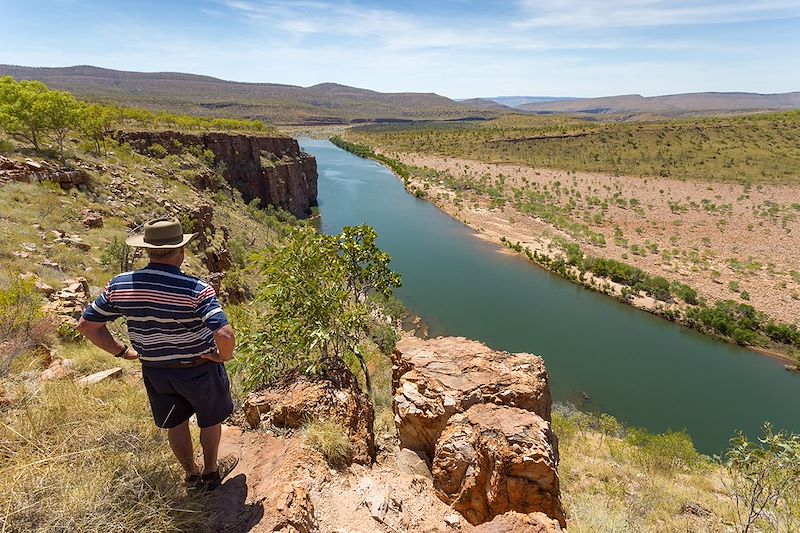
[(182, 338)]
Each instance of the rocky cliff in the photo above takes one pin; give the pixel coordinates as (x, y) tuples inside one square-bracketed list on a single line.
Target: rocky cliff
[(272, 169), (481, 419)]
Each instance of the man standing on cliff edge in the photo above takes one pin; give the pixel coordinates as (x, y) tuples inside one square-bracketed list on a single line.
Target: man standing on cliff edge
[(182, 338)]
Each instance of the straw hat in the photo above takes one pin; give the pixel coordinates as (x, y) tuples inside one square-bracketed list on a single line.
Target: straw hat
[(163, 233)]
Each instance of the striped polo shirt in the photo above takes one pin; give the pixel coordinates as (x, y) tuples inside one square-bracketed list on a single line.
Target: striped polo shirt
[(171, 316)]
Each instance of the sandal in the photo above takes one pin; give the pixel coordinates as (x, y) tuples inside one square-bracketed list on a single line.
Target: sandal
[(193, 481), (224, 467)]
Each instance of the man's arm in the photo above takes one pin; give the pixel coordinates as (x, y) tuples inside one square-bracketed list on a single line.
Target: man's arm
[(226, 342), (98, 334)]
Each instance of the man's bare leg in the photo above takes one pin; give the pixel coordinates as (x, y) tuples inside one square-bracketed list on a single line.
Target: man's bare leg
[(180, 440), (209, 440)]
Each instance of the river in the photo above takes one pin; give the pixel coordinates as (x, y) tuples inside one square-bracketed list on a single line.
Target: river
[(642, 369)]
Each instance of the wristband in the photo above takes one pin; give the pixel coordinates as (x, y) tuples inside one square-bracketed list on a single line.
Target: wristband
[(122, 352)]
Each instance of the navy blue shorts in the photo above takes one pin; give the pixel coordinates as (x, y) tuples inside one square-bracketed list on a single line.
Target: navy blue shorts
[(177, 393)]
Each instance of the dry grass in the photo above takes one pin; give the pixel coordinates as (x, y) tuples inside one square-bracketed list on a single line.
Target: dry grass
[(81, 460), (610, 484), (328, 438)]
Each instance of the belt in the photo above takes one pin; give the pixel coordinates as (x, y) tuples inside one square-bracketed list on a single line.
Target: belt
[(187, 364)]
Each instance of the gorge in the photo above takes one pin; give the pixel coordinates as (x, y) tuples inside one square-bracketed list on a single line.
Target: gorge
[(601, 355)]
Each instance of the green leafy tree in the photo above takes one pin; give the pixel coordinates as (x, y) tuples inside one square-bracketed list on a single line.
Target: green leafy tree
[(22, 110), (366, 266), (97, 122), (765, 481), (315, 294), (62, 115)]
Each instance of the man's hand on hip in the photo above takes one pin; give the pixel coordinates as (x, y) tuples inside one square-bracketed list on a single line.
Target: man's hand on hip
[(216, 357), (131, 354)]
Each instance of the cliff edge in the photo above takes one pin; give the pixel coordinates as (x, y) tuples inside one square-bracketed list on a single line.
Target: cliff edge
[(272, 169)]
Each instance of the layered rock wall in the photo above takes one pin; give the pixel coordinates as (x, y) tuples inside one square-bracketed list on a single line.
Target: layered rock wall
[(272, 169), (483, 420)]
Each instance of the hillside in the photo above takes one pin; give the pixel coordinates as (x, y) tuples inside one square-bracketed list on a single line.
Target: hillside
[(674, 105), (326, 103)]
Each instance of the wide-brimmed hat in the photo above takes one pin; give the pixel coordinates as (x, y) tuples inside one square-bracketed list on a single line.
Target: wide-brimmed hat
[(164, 233)]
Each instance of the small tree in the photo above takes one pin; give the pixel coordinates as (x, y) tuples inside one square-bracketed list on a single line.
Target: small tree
[(22, 110), (62, 115), (764, 480), (97, 122), (317, 309)]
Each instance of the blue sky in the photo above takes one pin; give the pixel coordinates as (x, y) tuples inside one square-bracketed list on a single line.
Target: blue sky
[(458, 48)]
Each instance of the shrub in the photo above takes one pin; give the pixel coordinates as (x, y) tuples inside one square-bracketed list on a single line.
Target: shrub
[(740, 322), (684, 292), (6, 146), (765, 480), (785, 333), (156, 150), (666, 452), (118, 256), (328, 438), (316, 291), (385, 337), (21, 321)]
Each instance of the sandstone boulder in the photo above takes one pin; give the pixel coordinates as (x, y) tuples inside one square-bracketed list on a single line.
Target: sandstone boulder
[(513, 522), (93, 220), (296, 399), (494, 459), (435, 379)]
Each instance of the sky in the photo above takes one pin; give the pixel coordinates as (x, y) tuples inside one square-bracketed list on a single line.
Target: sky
[(456, 48)]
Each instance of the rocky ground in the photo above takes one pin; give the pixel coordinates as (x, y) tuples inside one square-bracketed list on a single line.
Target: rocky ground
[(727, 241), (474, 450)]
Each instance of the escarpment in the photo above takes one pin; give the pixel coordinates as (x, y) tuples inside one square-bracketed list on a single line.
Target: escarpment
[(271, 169)]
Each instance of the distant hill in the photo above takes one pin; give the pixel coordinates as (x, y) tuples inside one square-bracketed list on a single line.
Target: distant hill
[(671, 105), (516, 101), (487, 103), (326, 103)]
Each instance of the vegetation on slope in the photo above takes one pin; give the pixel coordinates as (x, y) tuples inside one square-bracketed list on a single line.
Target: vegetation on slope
[(32, 113), (753, 148), (621, 479)]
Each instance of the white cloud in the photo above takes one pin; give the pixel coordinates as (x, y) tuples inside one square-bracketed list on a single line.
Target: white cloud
[(646, 13)]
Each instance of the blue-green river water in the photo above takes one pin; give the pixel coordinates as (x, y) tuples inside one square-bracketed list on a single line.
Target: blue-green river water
[(642, 369)]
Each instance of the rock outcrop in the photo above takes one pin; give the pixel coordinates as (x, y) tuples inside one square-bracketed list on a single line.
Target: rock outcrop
[(272, 169), (267, 491), (435, 379), (296, 399), (494, 459), (31, 171), (483, 417)]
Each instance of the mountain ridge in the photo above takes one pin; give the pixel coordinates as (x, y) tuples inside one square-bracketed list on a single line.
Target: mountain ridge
[(672, 104), (323, 103)]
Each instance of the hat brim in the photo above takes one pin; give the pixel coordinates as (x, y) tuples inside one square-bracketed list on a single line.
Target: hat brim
[(137, 241)]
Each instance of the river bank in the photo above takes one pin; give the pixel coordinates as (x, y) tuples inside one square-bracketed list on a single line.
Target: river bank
[(481, 196)]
